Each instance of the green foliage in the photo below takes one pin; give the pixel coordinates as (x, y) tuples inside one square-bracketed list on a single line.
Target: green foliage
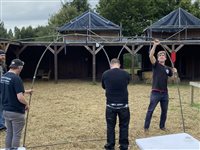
[(128, 61), (193, 8), (80, 5), (3, 31), (65, 14), (197, 105), (10, 34), (132, 14), (40, 33), (44, 33), (68, 12), (136, 15)]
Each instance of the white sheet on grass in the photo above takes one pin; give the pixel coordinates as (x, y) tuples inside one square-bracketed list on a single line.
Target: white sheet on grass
[(19, 148), (181, 141)]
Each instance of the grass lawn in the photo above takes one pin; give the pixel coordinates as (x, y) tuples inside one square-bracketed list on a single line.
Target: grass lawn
[(70, 115)]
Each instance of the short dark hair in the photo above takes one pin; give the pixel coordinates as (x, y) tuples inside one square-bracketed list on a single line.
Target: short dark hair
[(115, 61), (161, 52)]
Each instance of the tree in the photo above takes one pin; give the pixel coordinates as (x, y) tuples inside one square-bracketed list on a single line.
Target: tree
[(10, 34), (65, 14), (68, 11), (136, 15), (44, 33), (192, 6), (80, 5), (3, 31), (132, 14)]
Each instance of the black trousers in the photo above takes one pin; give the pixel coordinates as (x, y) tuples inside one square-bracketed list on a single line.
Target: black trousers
[(157, 97), (124, 119)]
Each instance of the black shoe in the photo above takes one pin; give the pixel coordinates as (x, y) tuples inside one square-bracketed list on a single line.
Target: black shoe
[(123, 147), (164, 129), (2, 128), (108, 147)]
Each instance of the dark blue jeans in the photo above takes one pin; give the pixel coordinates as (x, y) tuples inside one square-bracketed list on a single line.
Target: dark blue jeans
[(124, 119), (155, 98)]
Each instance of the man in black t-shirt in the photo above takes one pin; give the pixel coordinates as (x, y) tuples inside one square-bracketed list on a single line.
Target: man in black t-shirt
[(159, 91), (115, 82), (14, 103)]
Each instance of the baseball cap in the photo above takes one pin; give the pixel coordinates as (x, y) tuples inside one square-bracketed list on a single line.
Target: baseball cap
[(16, 63), (2, 52)]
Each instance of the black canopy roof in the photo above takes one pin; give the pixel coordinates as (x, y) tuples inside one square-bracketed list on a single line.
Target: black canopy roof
[(88, 20), (174, 21)]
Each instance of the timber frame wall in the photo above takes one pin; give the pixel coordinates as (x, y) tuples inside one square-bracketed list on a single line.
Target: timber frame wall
[(132, 47)]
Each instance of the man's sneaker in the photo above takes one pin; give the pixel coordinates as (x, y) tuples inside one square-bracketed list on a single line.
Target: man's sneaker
[(164, 129), (2, 128), (108, 147)]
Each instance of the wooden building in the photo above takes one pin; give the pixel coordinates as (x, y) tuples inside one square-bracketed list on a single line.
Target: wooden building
[(85, 52), (179, 26)]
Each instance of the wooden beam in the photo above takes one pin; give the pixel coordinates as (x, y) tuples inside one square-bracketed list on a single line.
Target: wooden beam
[(55, 65), (93, 65), (167, 48), (1, 45), (132, 63), (192, 85), (99, 49), (128, 49), (89, 49), (21, 50), (179, 47), (51, 50), (7, 46), (60, 49), (137, 49)]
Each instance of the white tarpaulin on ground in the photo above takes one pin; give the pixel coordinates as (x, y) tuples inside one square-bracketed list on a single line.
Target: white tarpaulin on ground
[(19, 148), (181, 141)]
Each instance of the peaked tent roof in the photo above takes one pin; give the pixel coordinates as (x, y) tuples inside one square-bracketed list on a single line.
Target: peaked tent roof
[(88, 20), (174, 21)]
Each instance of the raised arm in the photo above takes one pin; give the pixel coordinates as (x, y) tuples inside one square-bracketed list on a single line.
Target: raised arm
[(152, 51)]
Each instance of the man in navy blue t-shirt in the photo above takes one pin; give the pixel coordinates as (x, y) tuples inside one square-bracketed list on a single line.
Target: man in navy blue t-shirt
[(159, 91), (115, 82), (14, 103)]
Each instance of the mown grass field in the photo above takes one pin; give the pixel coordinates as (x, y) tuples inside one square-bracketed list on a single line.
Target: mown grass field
[(70, 115)]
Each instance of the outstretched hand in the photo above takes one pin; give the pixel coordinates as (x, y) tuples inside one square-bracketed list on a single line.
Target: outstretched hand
[(156, 42), (174, 70)]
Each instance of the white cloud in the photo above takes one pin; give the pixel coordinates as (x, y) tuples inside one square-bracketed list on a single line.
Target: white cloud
[(30, 12), (24, 13)]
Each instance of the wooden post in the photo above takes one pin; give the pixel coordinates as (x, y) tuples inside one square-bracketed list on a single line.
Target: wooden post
[(132, 63), (192, 86), (192, 94), (93, 65), (55, 65)]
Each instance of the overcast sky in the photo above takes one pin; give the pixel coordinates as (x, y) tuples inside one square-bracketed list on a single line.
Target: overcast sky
[(29, 12)]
